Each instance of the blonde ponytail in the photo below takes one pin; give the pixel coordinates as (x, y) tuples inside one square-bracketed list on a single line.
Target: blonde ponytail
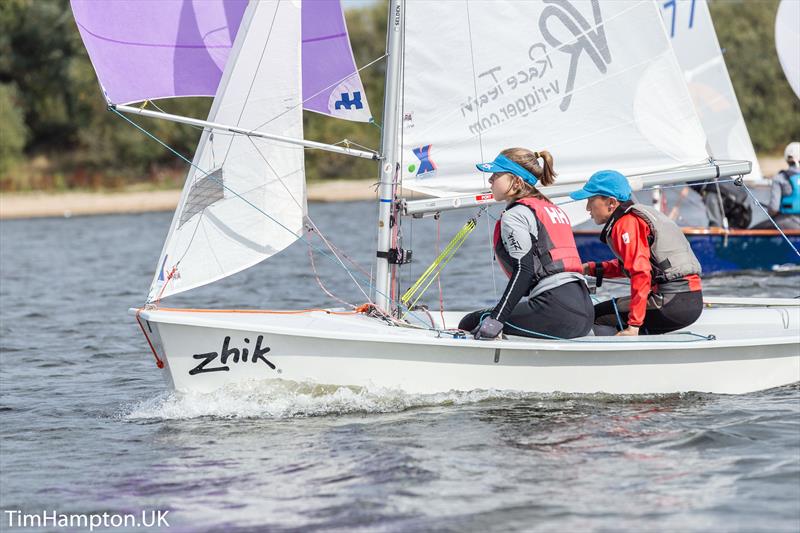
[(548, 176), (530, 161)]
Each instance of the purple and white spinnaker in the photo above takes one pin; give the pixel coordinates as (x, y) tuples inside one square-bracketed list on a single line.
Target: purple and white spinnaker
[(151, 50)]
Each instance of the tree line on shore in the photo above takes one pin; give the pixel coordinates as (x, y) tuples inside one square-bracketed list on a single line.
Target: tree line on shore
[(57, 134)]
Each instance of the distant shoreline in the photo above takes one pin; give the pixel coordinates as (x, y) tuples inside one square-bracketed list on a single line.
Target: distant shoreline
[(67, 204)]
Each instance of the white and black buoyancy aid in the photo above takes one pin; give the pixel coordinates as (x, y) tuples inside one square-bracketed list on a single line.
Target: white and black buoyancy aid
[(671, 256), (553, 244)]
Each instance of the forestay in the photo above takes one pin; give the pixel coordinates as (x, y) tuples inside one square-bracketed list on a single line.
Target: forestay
[(150, 50), (689, 24), (595, 83), (214, 232)]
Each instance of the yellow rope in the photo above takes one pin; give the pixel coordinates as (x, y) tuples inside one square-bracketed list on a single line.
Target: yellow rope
[(435, 269)]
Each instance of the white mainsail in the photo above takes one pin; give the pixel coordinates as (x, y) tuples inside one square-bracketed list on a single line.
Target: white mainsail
[(244, 197), (689, 24), (597, 84), (787, 41)]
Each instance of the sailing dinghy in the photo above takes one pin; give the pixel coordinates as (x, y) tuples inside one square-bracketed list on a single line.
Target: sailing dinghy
[(596, 83)]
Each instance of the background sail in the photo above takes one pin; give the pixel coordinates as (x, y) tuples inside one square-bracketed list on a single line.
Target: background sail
[(331, 82), (149, 50), (787, 41), (214, 232), (595, 83), (689, 24)]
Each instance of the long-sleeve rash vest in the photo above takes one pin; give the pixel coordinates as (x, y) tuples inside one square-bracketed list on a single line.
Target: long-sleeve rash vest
[(630, 237), (518, 228)]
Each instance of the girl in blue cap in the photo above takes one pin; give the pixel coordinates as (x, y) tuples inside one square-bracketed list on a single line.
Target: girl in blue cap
[(650, 249), (546, 295)]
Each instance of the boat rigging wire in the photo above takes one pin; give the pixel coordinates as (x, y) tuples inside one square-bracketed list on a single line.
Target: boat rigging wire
[(755, 201), (408, 312), (322, 285), (419, 287), (334, 84), (316, 230), (490, 241), (439, 278)]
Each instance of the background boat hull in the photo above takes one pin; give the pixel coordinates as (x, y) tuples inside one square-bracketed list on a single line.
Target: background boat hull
[(717, 252)]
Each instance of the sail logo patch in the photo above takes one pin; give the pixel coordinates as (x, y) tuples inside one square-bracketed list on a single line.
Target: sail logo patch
[(593, 42), (426, 164), (348, 102), (220, 361)]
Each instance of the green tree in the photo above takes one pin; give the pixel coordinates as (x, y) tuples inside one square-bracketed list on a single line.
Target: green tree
[(13, 132), (746, 32), (367, 29)]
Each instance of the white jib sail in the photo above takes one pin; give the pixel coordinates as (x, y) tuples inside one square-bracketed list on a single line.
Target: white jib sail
[(689, 24), (244, 198), (595, 83)]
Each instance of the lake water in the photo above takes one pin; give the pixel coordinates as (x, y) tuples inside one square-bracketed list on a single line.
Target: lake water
[(87, 427)]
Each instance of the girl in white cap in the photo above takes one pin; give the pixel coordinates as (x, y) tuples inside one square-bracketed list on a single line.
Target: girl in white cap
[(784, 198)]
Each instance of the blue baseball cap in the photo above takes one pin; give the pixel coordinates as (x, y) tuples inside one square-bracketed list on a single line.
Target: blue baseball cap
[(605, 183), (503, 164)]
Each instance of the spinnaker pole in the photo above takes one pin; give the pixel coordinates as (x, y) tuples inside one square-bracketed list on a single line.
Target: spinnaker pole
[(389, 152), (242, 131)]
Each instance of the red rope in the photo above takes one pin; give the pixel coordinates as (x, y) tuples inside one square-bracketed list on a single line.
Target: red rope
[(439, 277), (159, 362), (319, 281), (163, 287)]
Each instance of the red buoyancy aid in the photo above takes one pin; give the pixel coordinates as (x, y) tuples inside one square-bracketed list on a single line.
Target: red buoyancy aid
[(554, 245)]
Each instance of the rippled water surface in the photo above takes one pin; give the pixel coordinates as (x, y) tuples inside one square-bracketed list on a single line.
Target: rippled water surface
[(87, 426)]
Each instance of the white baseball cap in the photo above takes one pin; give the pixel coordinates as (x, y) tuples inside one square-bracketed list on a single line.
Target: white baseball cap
[(793, 151)]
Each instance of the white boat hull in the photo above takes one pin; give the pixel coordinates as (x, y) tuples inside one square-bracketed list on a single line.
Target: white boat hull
[(755, 348)]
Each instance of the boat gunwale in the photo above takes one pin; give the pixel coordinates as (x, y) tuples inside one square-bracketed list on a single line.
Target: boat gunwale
[(173, 317)]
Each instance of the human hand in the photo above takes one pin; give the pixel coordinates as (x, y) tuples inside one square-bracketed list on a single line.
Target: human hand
[(586, 269), (630, 331), (488, 329)]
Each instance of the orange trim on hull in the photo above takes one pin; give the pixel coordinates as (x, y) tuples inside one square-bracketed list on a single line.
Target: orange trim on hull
[(358, 310)]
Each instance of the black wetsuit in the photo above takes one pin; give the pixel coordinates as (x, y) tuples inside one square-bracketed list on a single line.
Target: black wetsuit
[(557, 306)]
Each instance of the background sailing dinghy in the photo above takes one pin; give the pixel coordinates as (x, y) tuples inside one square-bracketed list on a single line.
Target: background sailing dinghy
[(597, 83), (719, 250), (694, 40)]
